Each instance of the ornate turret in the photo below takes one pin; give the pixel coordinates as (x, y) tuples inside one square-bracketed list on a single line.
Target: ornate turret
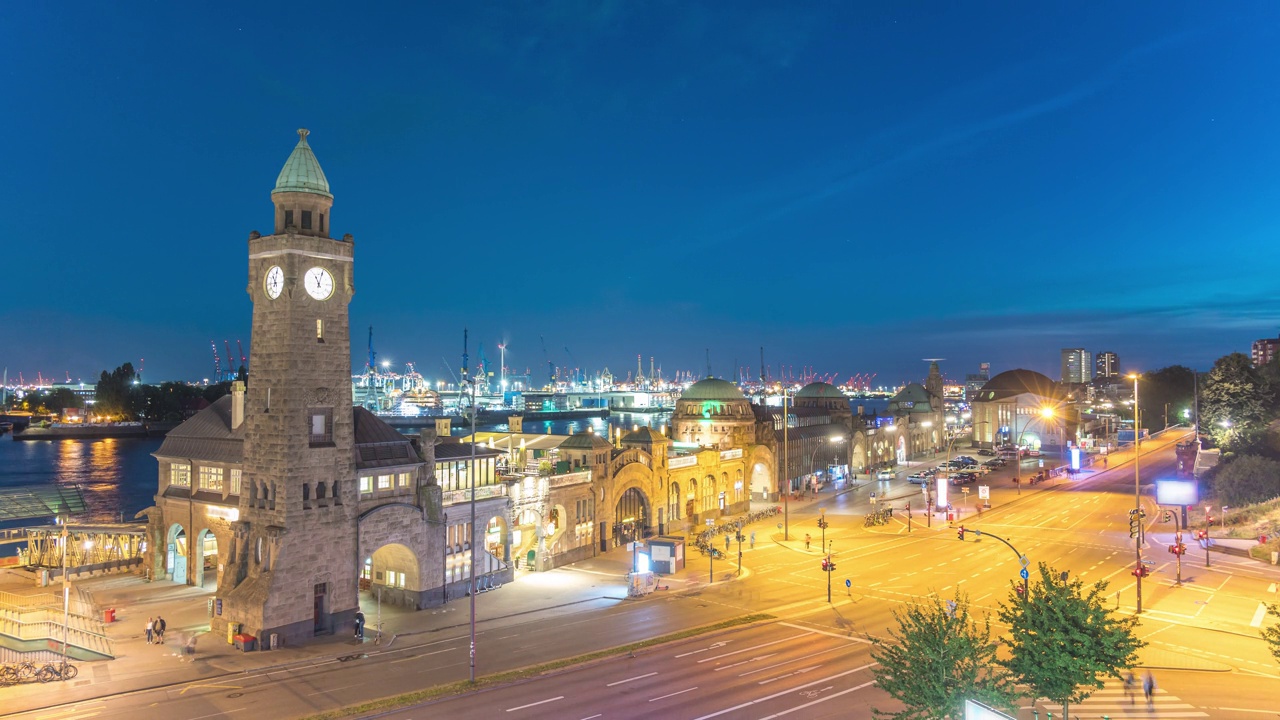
[(301, 194)]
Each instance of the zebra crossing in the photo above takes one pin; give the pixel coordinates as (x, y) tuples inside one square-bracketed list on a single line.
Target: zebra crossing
[(1111, 702)]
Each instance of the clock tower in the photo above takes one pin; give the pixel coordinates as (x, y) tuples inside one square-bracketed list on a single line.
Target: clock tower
[(292, 568)]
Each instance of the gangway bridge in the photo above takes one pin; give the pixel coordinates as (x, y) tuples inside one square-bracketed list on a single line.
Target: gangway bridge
[(44, 625)]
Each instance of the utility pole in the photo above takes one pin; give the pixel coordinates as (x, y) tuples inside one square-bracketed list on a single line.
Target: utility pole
[(786, 468), (1137, 492)]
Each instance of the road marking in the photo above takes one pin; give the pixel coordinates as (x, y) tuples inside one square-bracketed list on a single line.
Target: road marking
[(195, 687), (801, 671), (776, 695), (824, 632), (540, 702), (332, 690), (793, 660), (593, 717), (757, 647), (224, 712), (415, 657), (664, 697), (820, 700), (638, 677), (1258, 615), (712, 646)]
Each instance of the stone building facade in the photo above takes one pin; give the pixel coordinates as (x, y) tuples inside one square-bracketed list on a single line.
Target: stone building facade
[(283, 498)]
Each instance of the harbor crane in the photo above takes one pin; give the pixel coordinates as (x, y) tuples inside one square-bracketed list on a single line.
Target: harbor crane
[(217, 363)]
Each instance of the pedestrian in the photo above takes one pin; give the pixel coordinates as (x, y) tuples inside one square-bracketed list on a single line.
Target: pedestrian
[(191, 646), (160, 626), (1130, 686), (359, 625), (806, 541), (151, 628), (1148, 687), (753, 539), (726, 542)]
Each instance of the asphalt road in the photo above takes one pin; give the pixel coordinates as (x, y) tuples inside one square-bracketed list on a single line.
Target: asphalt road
[(1203, 640)]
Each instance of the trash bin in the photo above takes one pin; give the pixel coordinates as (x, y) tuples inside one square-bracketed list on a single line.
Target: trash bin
[(245, 643), (109, 615), (232, 630)]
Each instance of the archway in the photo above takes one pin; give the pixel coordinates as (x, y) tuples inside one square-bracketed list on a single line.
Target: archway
[(631, 517), (761, 481), (902, 449), (674, 500), (497, 538), (206, 573), (392, 575), (175, 558)]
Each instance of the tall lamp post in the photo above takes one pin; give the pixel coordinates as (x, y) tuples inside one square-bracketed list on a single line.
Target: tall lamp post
[(786, 469), (1137, 488), (472, 540)]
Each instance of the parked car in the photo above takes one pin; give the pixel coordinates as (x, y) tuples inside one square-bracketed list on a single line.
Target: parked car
[(918, 478), (986, 453)]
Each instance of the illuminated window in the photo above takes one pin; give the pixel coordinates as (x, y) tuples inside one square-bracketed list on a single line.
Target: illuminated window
[(180, 475), (403, 479), (319, 330), (384, 482), (235, 481), (321, 426), (366, 485), (210, 479)]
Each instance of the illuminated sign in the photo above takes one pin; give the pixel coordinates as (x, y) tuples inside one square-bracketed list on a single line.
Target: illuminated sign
[(1075, 458), (942, 492), (1177, 492), (683, 461), (229, 514), (731, 454)]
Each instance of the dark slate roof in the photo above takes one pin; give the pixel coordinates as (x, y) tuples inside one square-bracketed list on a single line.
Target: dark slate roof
[(584, 441), (462, 451), (645, 436), (207, 436), (915, 393), (1016, 382), (712, 389), (378, 444)]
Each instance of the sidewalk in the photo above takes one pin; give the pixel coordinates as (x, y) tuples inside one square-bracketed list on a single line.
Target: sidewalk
[(594, 583)]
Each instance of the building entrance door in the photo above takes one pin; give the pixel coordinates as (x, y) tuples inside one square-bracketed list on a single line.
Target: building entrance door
[(319, 617)]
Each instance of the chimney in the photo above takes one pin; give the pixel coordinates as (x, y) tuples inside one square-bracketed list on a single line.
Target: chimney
[(442, 427), (237, 404)]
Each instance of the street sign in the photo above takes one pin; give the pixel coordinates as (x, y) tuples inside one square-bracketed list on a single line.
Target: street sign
[(848, 582), (924, 489), (1042, 462), (711, 523), (964, 490), (1023, 559), (1024, 574), (873, 496), (984, 491)]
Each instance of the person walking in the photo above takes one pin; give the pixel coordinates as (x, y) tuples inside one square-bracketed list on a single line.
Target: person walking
[(806, 541), (1149, 688), (151, 628), (191, 646), (160, 626), (359, 625), (753, 540), (726, 542), (1130, 686)]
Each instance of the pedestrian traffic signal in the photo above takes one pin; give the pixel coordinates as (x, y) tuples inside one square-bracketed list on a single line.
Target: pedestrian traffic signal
[(825, 565), (1141, 571), (822, 523), (960, 533)]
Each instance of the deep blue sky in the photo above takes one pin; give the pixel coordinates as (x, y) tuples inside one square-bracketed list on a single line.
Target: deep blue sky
[(853, 186)]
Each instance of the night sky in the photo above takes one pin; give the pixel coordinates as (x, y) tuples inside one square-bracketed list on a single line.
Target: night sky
[(854, 186)]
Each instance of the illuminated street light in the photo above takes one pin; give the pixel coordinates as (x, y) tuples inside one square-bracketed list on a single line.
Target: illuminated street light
[(1137, 487)]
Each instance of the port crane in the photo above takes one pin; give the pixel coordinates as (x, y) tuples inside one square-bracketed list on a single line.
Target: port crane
[(217, 363)]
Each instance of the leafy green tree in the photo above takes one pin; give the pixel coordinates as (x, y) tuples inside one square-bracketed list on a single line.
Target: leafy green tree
[(1236, 402), (113, 390), (1164, 394), (1272, 634), (1062, 639), (1247, 479), (940, 656)]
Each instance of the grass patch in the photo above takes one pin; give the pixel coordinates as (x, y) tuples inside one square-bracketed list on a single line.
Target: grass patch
[(465, 686)]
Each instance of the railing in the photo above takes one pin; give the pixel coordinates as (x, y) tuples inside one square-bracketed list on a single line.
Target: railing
[(570, 479), (682, 461), (627, 457), (483, 492)]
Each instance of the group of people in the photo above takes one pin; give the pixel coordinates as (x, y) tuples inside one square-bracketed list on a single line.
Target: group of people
[(1148, 687)]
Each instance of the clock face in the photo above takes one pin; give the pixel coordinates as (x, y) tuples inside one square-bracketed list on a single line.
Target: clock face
[(273, 283), (319, 283)]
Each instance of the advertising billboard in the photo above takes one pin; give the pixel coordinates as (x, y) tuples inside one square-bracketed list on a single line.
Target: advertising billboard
[(1177, 492)]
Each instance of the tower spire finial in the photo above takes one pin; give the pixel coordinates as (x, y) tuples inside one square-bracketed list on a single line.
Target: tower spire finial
[(303, 133)]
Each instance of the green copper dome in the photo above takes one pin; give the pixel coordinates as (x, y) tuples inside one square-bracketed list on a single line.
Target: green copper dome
[(301, 172)]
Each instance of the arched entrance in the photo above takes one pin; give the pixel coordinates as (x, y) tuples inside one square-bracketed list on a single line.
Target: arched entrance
[(761, 481), (631, 517), (902, 449), (206, 561), (497, 538), (175, 558), (391, 574)]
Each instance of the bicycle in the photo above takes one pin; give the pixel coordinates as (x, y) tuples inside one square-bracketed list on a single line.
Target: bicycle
[(60, 671)]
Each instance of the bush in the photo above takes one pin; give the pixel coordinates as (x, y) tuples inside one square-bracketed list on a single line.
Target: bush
[(1248, 479)]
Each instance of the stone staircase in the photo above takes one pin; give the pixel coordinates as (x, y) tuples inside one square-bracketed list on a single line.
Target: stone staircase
[(32, 628)]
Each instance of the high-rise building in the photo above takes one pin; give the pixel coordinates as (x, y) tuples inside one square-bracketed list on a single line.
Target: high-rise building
[(973, 382), (1077, 365), (1265, 351), (1107, 365)]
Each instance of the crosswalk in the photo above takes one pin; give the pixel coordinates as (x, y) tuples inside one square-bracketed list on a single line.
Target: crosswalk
[(1111, 702)]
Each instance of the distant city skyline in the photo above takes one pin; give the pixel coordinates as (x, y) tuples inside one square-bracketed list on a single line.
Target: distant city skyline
[(855, 189)]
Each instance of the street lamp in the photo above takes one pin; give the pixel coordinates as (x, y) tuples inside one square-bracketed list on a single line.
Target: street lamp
[(1046, 412), (1137, 488)]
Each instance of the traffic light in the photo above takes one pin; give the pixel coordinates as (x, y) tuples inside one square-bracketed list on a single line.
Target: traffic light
[(826, 565), (960, 533), (1168, 516), (831, 567), (822, 523), (1141, 571), (1021, 589), (1135, 523)]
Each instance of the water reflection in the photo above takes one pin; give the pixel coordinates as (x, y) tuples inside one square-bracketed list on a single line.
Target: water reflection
[(118, 477)]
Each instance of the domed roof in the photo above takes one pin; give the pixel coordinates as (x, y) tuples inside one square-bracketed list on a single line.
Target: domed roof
[(1016, 382), (914, 397), (644, 436), (301, 172), (819, 390), (584, 441), (713, 389)]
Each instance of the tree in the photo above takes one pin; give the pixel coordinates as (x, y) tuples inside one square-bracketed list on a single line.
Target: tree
[(112, 392), (940, 657), (1247, 479), (1236, 402), (1063, 641), (1272, 634), (1173, 387)]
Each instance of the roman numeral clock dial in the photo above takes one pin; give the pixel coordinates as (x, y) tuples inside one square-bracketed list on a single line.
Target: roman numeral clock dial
[(273, 282), (319, 283)]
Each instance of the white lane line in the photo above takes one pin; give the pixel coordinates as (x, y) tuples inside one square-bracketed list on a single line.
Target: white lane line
[(224, 712), (540, 702), (638, 677), (801, 671), (712, 646), (794, 660), (332, 690), (820, 700), (664, 697), (828, 634), (767, 698), (744, 662), (593, 717), (1258, 615), (757, 647), (416, 657)]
